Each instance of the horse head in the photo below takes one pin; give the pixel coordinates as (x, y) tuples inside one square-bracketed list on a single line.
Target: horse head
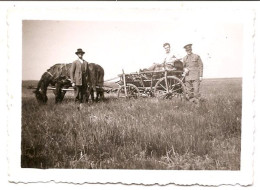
[(40, 97), (55, 74)]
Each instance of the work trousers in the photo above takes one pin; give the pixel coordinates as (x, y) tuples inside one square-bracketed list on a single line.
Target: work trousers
[(193, 87), (80, 93)]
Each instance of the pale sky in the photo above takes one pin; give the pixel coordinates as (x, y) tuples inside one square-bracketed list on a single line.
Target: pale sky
[(131, 46)]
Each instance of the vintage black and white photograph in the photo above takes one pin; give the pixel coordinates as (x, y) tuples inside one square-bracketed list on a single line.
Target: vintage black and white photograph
[(139, 89), (179, 111)]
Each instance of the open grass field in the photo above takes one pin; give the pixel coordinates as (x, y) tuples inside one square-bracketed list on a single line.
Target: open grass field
[(144, 133)]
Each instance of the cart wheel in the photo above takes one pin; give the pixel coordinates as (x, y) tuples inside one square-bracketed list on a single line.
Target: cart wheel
[(173, 89), (132, 91)]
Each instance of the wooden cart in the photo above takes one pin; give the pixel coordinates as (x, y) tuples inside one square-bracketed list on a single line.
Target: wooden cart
[(165, 84)]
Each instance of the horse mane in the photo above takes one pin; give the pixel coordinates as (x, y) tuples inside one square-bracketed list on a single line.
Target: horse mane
[(100, 75)]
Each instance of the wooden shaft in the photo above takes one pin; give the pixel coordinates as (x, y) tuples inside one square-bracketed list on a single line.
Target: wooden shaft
[(173, 70), (151, 82), (166, 82), (124, 82)]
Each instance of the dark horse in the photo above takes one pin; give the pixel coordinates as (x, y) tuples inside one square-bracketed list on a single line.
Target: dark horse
[(59, 76), (96, 81)]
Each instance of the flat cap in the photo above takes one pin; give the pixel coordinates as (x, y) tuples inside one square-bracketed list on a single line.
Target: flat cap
[(187, 46)]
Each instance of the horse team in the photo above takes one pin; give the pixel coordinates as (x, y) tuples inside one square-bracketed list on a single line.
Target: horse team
[(59, 76)]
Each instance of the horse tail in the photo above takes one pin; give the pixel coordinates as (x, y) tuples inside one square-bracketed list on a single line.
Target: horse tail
[(92, 76), (100, 77)]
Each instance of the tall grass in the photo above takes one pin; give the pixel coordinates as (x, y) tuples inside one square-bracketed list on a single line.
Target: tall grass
[(144, 133)]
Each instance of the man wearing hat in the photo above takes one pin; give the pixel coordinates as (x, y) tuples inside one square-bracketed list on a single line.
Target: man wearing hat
[(78, 74), (193, 68)]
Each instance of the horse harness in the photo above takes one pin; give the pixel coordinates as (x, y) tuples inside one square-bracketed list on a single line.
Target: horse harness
[(66, 71), (49, 73), (61, 67)]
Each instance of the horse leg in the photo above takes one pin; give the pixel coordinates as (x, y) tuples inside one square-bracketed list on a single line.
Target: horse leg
[(89, 93), (63, 92), (101, 93), (44, 95), (45, 99), (101, 83), (93, 91), (97, 95), (62, 95), (92, 94), (58, 93), (43, 92)]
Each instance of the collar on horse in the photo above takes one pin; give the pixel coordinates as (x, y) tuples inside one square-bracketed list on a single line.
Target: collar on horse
[(61, 67), (49, 73)]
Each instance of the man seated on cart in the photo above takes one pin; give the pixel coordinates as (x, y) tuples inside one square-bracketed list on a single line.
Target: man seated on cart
[(169, 61)]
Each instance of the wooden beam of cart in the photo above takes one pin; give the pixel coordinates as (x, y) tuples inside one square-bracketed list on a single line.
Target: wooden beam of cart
[(52, 88), (70, 89), (63, 89), (150, 72)]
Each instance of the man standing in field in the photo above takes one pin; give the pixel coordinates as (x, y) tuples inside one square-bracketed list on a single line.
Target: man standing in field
[(193, 68), (168, 60), (78, 74)]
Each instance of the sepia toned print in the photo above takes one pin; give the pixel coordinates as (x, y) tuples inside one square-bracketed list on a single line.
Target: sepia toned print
[(131, 94), (176, 115)]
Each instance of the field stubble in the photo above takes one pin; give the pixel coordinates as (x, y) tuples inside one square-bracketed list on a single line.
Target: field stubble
[(144, 133)]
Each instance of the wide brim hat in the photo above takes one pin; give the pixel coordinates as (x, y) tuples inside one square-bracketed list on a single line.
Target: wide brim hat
[(187, 46), (79, 51)]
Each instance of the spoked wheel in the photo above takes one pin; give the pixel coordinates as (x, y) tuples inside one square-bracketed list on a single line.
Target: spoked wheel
[(172, 88), (131, 90)]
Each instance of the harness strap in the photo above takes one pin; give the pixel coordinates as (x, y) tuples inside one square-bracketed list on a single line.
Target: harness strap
[(61, 67), (49, 73), (66, 71)]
